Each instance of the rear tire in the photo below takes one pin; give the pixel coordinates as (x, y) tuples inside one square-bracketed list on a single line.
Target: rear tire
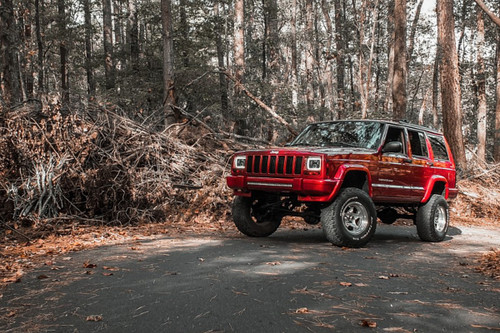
[(433, 219), (254, 217), (351, 219)]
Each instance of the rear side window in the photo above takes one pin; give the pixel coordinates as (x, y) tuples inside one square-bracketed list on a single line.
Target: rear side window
[(439, 148), (417, 144)]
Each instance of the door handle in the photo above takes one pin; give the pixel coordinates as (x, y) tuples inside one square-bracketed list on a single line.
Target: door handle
[(407, 160)]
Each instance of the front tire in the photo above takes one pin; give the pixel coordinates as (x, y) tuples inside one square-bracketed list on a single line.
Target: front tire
[(351, 219), (433, 219), (255, 217)]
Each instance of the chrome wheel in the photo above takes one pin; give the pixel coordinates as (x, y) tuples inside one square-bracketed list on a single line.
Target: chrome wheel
[(355, 217), (440, 219)]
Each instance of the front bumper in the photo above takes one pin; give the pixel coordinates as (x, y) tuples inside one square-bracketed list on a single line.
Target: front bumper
[(315, 190)]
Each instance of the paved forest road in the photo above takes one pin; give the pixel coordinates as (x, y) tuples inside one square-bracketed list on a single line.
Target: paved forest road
[(293, 281)]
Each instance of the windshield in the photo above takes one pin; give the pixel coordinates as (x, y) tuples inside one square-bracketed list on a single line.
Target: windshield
[(359, 134)]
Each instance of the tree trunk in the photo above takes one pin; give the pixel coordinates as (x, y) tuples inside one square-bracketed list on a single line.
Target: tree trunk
[(435, 90), (184, 33), (220, 60), (239, 41), (109, 68), (481, 90), (390, 60), (293, 51), (39, 43), (169, 101), (10, 80), (309, 54), (413, 31), (399, 97), (91, 89), (496, 148), (133, 34), (450, 81), (63, 51), (339, 43), (328, 73)]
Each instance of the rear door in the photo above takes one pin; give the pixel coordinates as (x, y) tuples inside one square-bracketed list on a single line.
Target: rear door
[(395, 180)]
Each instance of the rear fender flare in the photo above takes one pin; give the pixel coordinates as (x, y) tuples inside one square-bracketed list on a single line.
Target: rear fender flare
[(430, 186)]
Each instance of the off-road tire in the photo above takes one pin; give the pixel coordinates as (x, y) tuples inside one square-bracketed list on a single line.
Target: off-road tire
[(351, 219), (433, 219), (245, 221)]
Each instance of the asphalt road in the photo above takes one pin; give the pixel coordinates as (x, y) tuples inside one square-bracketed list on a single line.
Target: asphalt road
[(293, 281)]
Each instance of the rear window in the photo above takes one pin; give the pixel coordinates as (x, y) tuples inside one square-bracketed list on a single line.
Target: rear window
[(417, 144), (439, 148)]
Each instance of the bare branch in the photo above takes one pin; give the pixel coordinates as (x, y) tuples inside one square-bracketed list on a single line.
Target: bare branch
[(260, 103), (488, 12)]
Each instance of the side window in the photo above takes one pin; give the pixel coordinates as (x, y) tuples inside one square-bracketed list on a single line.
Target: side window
[(396, 134), (417, 144), (439, 148)]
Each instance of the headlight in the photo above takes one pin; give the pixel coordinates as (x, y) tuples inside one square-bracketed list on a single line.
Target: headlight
[(313, 164), (239, 162)]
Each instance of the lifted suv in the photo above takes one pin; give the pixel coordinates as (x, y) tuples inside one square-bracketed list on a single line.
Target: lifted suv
[(344, 174)]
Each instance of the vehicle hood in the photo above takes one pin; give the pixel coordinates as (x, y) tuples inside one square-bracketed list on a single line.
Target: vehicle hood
[(304, 150)]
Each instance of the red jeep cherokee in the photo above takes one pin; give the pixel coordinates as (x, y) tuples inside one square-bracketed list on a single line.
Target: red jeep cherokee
[(344, 174)]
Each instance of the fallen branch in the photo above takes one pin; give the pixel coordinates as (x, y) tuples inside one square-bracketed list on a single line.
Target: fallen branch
[(260, 103)]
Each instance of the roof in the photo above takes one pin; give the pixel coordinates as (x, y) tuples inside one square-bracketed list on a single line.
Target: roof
[(403, 123)]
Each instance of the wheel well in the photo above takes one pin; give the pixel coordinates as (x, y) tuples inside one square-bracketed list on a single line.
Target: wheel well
[(356, 179), (439, 188)]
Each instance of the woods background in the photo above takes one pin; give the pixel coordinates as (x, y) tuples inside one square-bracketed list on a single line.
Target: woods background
[(125, 110)]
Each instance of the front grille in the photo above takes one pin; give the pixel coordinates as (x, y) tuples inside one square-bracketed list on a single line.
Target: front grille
[(274, 165)]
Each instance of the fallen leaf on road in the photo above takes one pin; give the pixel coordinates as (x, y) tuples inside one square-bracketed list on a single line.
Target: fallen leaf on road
[(368, 323), (113, 269), (383, 277), (302, 310), (486, 327), (94, 318), (273, 263), (89, 265), (345, 284), (361, 285), (107, 274)]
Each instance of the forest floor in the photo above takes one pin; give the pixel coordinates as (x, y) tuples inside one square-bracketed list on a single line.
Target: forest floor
[(26, 248)]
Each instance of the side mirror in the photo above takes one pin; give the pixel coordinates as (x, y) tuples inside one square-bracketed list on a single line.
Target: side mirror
[(393, 147)]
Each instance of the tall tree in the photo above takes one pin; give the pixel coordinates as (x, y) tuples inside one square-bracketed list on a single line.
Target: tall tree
[(496, 148), (169, 98), (63, 50), (481, 89), (492, 16), (220, 59), (91, 89), (10, 80), (39, 43), (400, 75), (309, 54), (450, 81), (239, 40), (133, 34), (109, 68), (293, 55), (340, 59)]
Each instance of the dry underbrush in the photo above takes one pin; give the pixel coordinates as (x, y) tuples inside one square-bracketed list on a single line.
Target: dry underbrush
[(99, 166)]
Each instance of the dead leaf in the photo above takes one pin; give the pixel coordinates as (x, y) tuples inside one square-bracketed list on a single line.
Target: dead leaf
[(11, 314), (94, 318), (361, 285), (113, 269), (383, 277), (107, 274), (302, 310), (273, 263), (89, 265), (345, 284), (368, 323)]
